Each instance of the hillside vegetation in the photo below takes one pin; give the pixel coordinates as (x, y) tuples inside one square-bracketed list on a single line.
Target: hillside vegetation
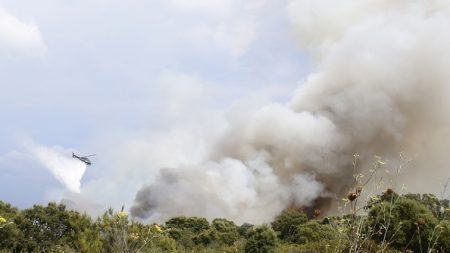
[(387, 223)]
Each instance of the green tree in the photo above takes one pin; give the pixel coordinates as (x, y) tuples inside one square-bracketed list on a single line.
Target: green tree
[(44, 227), (443, 236), (190, 231), (262, 239), (287, 223), (226, 230), (245, 229), (10, 235), (118, 235), (193, 224), (405, 224), (221, 232), (436, 206), (312, 231), (84, 233)]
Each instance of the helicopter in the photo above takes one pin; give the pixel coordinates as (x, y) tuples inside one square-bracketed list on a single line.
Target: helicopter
[(84, 159)]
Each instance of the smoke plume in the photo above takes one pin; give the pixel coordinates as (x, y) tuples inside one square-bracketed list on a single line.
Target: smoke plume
[(380, 85)]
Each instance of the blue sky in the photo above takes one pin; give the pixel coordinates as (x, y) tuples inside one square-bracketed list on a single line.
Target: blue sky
[(91, 75)]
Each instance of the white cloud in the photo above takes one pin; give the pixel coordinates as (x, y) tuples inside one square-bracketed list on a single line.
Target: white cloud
[(235, 37), (209, 7), (226, 25), (19, 37)]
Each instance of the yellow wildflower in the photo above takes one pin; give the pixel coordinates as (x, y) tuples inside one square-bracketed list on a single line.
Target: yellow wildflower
[(122, 215), (157, 228), (134, 236), (2, 220)]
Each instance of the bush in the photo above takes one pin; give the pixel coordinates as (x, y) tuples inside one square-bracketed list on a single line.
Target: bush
[(315, 232), (9, 232), (183, 237), (245, 229), (286, 224), (261, 240), (221, 232), (227, 231), (436, 206), (406, 223), (311, 247), (47, 226), (193, 224), (443, 236)]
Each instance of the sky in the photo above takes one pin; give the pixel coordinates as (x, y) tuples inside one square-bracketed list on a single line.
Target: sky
[(125, 79), (221, 108)]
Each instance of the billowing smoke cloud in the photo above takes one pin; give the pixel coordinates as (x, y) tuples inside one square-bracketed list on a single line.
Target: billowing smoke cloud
[(60, 163), (380, 86), (230, 188)]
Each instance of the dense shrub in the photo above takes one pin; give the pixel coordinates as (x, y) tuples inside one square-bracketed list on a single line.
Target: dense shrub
[(312, 231), (443, 236), (184, 237), (221, 232), (47, 226), (287, 223), (227, 232), (10, 234), (193, 224), (245, 229), (262, 239), (436, 206), (388, 223), (407, 223)]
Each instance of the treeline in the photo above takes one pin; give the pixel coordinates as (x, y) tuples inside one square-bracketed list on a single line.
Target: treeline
[(386, 223)]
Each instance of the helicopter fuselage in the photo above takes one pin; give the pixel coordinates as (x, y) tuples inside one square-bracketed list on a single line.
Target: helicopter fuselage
[(83, 159)]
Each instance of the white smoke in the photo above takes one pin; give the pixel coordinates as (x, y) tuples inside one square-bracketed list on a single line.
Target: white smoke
[(228, 188), (59, 162), (380, 86)]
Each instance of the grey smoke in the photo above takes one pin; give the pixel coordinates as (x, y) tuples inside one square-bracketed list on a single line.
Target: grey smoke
[(380, 86)]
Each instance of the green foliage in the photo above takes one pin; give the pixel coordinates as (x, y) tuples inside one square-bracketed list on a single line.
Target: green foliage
[(114, 231), (90, 240), (7, 211), (184, 237), (436, 206), (193, 224), (44, 227), (405, 224), (61, 249), (389, 223), (161, 243), (190, 231), (262, 239), (121, 236), (221, 232), (10, 234), (443, 236), (84, 234), (245, 229), (287, 223), (226, 231), (312, 231), (311, 247), (206, 237)]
